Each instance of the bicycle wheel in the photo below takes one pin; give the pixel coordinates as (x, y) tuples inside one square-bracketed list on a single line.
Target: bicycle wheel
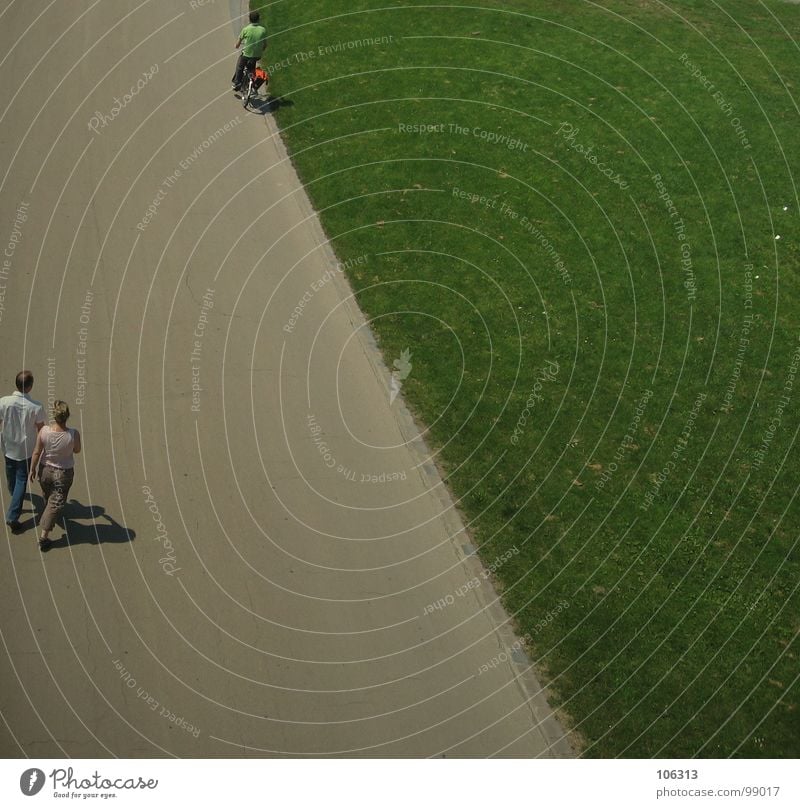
[(247, 90)]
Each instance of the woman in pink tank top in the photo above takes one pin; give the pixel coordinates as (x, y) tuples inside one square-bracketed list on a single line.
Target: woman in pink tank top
[(56, 446)]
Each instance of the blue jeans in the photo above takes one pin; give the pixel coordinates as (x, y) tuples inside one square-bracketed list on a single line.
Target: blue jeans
[(17, 479)]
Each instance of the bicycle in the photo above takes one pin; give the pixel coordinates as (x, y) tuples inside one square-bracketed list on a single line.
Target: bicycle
[(248, 86)]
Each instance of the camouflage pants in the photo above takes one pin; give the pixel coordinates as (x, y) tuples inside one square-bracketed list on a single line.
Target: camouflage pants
[(55, 487)]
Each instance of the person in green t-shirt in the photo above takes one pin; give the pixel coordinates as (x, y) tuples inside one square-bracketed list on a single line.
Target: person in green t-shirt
[(253, 41)]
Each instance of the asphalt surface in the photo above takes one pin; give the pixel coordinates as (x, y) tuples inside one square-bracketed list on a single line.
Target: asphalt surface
[(262, 559)]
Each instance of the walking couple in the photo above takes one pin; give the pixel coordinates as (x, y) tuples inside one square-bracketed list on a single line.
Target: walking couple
[(33, 448)]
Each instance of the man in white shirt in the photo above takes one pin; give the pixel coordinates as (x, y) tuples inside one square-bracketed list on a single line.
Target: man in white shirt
[(21, 418)]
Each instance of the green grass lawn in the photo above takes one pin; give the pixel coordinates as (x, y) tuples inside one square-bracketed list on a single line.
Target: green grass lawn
[(498, 164)]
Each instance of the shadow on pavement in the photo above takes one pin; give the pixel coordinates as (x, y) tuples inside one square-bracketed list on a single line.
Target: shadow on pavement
[(101, 528), (263, 105)]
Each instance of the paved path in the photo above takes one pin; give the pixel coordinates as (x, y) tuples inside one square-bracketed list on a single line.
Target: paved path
[(241, 579)]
